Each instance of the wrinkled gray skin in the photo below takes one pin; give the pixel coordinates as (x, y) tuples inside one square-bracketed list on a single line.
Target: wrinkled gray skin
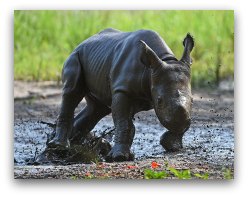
[(125, 73)]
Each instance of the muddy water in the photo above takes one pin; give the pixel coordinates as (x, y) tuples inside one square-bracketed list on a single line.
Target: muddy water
[(210, 139), (213, 144)]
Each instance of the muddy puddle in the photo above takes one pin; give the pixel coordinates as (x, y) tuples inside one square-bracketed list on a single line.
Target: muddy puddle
[(213, 145), (210, 139)]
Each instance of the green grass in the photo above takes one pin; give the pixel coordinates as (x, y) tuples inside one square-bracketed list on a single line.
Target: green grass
[(170, 172), (44, 39)]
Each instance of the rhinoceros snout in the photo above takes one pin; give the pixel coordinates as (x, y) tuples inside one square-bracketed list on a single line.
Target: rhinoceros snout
[(179, 120), (181, 114)]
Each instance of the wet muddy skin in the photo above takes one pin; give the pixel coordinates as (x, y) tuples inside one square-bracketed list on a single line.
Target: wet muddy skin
[(210, 139)]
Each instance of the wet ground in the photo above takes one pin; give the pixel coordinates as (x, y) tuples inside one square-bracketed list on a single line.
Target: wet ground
[(208, 144)]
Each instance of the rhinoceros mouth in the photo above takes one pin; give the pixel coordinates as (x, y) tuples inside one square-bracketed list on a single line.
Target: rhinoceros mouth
[(179, 126)]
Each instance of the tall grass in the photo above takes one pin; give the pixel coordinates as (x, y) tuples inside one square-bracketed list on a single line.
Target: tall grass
[(44, 39)]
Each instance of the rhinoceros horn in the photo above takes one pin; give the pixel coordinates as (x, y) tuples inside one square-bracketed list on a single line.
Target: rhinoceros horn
[(150, 58), (188, 44)]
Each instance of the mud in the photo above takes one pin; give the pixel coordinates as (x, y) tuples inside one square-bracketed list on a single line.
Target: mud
[(209, 141)]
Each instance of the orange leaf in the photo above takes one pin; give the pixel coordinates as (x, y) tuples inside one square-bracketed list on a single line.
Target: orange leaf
[(155, 164)]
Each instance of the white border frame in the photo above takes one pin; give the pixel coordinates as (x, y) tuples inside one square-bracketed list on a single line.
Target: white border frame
[(197, 188)]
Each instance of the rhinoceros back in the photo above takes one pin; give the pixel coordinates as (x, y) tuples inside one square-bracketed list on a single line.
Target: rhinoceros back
[(105, 52)]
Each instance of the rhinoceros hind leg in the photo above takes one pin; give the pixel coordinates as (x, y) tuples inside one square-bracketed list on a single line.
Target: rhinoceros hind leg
[(171, 141), (86, 120), (73, 92)]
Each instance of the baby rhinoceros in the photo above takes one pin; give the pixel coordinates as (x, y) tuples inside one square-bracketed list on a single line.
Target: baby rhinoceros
[(125, 73)]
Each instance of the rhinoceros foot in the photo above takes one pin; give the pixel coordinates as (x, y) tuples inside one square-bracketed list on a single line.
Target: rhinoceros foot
[(171, 141), (54, 143), (120, 152)]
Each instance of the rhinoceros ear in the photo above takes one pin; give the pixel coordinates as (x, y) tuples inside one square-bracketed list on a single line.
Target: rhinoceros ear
[(149, 57), (188, 44)]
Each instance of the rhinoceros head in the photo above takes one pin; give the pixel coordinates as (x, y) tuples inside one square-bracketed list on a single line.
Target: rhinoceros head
[(170, 87)]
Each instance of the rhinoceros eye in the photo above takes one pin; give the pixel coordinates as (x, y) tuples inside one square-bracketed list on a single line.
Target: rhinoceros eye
[(159, 100)]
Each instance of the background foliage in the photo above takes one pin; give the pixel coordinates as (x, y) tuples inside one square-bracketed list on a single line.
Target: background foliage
[(44, 39)]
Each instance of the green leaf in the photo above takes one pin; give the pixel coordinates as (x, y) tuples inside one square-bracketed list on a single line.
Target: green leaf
[(202, 176), (150, 174), (181, 174), (228, 174)]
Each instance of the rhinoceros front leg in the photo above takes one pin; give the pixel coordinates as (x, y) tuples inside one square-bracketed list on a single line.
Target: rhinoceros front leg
[(124, 128), (172, 140)]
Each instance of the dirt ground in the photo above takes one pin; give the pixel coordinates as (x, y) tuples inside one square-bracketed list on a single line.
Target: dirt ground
[(208, 144)]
